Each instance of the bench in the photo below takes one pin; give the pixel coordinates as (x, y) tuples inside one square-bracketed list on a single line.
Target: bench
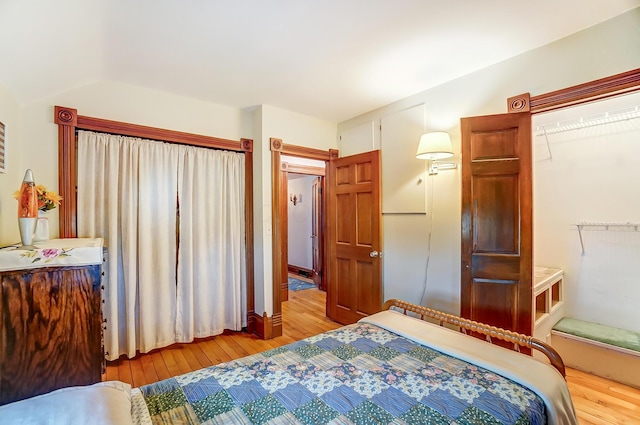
[(605, 351)]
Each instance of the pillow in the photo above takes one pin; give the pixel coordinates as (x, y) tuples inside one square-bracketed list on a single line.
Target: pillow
[(104, 403)]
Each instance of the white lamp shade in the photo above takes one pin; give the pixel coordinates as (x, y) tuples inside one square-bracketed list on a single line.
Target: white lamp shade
[(434, 146)]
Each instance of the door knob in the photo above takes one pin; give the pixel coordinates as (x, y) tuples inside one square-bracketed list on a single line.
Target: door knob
[(374, 254)]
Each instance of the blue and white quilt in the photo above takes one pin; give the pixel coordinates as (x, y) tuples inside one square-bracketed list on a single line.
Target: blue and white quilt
[(358, 374)]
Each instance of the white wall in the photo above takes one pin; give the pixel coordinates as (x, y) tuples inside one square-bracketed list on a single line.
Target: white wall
[(299, 221), (293, 129), (120, 102), (594, 53), (10, 181), (591, 176)]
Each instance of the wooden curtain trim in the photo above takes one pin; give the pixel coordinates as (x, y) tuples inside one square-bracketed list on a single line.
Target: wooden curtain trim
[(160, 134), (69, 122)]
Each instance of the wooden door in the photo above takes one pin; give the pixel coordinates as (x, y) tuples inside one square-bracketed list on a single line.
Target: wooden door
[(354, 237), (496, 285), (316, 233)]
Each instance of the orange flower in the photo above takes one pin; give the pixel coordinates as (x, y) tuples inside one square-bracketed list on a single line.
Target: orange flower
[(46, 200)]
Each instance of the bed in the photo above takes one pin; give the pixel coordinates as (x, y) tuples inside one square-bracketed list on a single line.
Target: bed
[(394, 367)]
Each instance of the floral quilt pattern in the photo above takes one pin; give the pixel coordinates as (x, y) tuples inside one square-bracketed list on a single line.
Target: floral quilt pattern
[(358, 374)]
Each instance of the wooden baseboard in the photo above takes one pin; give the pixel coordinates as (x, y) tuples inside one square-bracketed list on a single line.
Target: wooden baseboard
[(251, 322), (300, 271), (284, 291), (264, 326)]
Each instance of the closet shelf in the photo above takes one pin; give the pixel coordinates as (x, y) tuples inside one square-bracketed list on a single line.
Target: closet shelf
[(588, 121), (620, 227)]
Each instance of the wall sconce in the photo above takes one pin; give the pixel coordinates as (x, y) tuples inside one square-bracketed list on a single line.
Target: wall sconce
[(433, 147), (295, 199)]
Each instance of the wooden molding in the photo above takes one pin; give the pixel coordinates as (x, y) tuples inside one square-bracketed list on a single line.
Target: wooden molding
[(279, 199), (302, 169), (613, 85), (248, 223), (296, 270), (66, 116), (276, 325), (301, 151), (279, 254), (275, 144), (160, 134), (246, 145), (520, 103), (251, 322), (266, 327), (257, 323), (69, 122)]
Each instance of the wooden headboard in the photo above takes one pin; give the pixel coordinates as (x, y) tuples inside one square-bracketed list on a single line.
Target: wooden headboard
[(490, 332)]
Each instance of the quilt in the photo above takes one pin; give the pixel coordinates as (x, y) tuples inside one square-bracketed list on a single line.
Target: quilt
[(358, 374)]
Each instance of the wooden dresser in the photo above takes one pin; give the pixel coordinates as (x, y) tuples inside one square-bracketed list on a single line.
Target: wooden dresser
[(50, 317)]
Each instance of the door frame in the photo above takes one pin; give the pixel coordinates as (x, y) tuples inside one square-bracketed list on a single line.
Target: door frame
[(278, 148)]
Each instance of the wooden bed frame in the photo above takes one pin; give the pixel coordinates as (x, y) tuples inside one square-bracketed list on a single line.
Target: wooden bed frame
[(490, 332)]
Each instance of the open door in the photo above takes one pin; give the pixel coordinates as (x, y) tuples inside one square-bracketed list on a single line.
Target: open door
[(354, 237), (317, 244), (497, 274)]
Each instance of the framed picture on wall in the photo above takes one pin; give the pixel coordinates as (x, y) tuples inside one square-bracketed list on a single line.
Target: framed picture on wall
[(3, 165)]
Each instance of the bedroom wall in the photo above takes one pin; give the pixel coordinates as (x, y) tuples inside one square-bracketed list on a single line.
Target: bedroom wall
[(119, 102), (295, 129), (300, 221), (122, 102), (596, 52), (10, 180)]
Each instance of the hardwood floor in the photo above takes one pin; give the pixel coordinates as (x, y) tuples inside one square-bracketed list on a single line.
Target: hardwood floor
[(597, 401)]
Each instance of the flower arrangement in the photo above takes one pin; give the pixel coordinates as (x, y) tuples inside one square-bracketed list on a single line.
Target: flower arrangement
[(47, 200)]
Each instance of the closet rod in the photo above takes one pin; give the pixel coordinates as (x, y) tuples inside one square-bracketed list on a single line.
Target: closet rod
[(588, 121)]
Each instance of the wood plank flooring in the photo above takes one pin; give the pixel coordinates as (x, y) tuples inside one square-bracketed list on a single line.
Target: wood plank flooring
[(597, 401)]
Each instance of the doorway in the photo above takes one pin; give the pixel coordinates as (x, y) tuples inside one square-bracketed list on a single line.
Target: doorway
[(586, 207), (302, 224), (273, 325)]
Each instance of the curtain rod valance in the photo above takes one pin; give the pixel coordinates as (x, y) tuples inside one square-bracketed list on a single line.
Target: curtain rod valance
[(69, 122), (65, 116)]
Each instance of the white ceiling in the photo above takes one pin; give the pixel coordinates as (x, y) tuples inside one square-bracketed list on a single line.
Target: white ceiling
[(332, 59)]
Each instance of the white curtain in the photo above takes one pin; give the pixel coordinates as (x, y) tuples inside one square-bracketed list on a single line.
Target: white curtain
[(128, 192), (211, 254)]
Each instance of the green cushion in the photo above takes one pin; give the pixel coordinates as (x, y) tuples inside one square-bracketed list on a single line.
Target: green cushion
[(594, 331)]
